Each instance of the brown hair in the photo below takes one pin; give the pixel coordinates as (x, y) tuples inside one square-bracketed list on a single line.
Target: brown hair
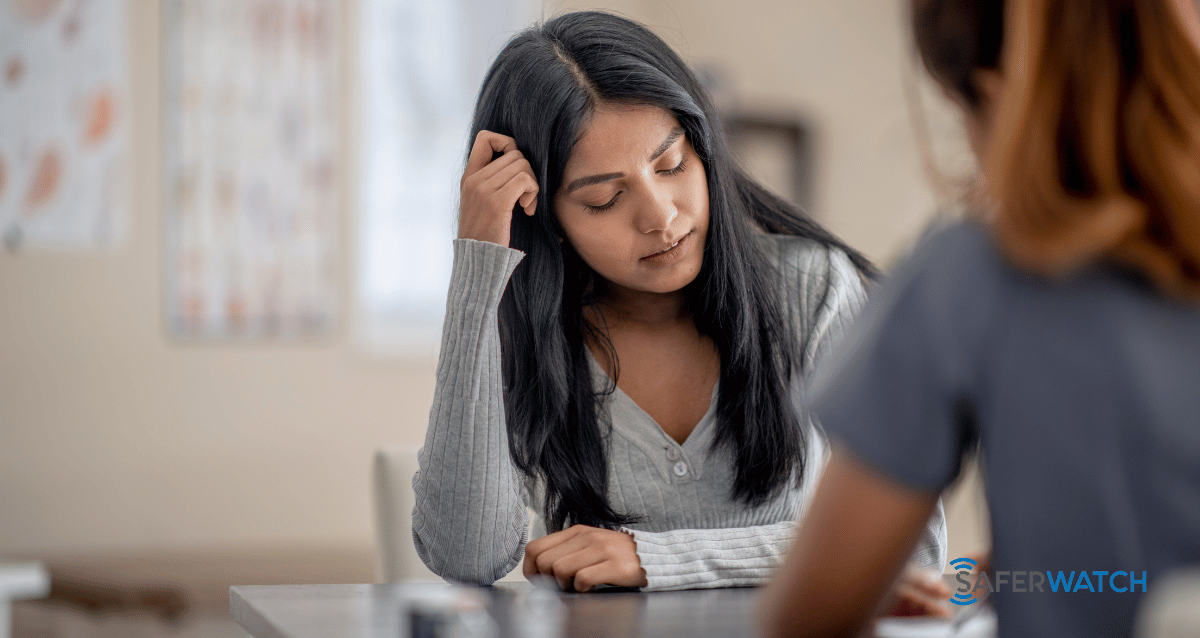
[(1095, 148), (957, 38)]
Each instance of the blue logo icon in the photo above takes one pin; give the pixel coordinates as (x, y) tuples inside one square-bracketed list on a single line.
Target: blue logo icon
[(963, 596)]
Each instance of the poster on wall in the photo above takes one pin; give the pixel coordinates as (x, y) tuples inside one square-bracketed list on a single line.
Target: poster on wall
[(252, 106), (64, 112)]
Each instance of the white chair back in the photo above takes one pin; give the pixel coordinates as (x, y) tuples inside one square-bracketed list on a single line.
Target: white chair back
[(396, 556)]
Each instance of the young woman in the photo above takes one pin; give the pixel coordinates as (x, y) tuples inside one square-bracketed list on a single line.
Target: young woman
[(621, 354), (1060, 331)]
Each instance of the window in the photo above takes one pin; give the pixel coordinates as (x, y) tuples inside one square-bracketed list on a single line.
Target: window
[(421, 64)]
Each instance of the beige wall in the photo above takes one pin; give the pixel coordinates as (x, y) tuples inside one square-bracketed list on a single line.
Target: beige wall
[(113, 436)]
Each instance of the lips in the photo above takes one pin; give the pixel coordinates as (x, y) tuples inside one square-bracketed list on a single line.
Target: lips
[(668, 252), (666, 247)]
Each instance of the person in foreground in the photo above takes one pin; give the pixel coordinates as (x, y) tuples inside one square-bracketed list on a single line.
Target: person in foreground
[(1059, 331), (620, 353)]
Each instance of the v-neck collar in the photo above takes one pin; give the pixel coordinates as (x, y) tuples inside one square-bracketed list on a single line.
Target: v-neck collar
[(630, 420)]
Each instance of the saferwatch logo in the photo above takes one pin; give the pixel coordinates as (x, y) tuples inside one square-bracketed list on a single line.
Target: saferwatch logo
[(963, 596), (1023, 582)]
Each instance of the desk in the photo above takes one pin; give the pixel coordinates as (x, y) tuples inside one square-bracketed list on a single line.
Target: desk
[(370, 611)]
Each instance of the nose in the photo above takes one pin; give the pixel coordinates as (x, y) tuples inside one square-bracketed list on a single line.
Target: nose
[(657, 211)]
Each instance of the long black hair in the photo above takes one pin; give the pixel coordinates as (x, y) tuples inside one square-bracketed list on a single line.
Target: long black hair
[(541, 91)]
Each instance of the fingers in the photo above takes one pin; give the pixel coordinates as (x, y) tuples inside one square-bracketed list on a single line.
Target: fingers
[(583, 557), (529, 200), (939, 590), (556, 560), (544, 543), (592, 576), (931, 586), (492, 188), (495, 173), (522, 188), (487, 144), (528, 566), (535, 548), (920, 592), (500, 172), (912, 601), (504, 162), (567, 567), (609, 571), (489, 196)]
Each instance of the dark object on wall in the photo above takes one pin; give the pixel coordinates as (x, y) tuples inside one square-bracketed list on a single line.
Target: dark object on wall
[(776, 148)]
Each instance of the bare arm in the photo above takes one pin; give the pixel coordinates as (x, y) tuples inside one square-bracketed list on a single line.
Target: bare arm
[(852, 546)]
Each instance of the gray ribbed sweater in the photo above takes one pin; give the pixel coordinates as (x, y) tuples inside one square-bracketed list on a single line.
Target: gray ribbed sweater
[(473, 507)]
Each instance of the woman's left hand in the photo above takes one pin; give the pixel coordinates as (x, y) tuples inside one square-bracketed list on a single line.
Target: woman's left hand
[(582, 557), (918, 593)]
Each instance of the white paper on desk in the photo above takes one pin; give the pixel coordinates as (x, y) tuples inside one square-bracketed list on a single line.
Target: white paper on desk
[(981, 626)]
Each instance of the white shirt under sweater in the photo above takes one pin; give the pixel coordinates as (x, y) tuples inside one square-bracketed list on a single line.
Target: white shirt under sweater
[(471, 521)]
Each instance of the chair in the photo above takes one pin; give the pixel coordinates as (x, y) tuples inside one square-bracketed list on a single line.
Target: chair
[(19, 581), (394, 501)]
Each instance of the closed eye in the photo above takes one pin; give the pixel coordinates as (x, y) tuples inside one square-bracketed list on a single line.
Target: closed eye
[(603, 207), (678, 169)]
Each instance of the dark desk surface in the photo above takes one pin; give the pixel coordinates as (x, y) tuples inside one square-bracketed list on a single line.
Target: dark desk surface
[(323, 611), (371, 611)]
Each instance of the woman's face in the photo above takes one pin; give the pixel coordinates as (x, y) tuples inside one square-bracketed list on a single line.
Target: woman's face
[(634, 200)]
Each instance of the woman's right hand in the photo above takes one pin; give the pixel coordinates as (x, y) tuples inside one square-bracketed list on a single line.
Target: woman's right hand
[(490, 189)]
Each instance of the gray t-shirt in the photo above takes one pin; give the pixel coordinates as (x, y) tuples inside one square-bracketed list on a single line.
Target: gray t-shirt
[(1084, 395)]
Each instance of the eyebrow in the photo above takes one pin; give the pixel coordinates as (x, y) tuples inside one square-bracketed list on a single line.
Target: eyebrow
[(598, 179)]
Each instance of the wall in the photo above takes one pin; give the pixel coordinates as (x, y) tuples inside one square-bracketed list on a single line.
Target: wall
[(114, 436)]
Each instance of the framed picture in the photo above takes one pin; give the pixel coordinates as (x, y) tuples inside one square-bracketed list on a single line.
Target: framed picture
[(252, 130)]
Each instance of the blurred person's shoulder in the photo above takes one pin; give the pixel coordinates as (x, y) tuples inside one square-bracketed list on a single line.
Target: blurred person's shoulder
[(963, 240), (956, 282), (955, 256)]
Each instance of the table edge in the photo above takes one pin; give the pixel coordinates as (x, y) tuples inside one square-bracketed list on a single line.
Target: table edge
[(248, 618)]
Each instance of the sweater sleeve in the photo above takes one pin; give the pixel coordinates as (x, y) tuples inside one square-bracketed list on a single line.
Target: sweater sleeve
[(711, 558), (743, 556), (469, 522)]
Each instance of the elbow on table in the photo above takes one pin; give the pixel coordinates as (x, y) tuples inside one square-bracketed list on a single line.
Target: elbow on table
[(468, 565)]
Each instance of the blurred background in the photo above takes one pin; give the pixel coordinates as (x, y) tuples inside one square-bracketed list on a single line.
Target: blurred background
[(226, 234)]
